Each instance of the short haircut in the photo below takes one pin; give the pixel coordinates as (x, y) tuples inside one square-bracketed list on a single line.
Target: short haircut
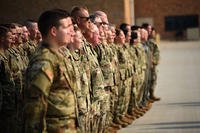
[(145, 25), (112, 25), (123, 27), (51, 18), (134, 35), (76, 11), (28, 23), (17, 24), (3, 31), (10, 25), (93, 17), (135, 27), (118, 31)]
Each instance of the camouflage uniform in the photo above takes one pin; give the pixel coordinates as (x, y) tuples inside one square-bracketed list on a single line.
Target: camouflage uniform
[(134, 91), (96, 84), (147, 72), (49, 93), (140, 70), (116, 77), (30, 47), (104, 57), (82, 94), (17, 69), (24, 55), (155, 54), (7, 97), (125, 69), (129, 76)]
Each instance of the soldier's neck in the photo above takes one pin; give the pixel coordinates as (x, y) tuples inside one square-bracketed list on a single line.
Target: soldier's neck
[(50, 43), (1, 49)]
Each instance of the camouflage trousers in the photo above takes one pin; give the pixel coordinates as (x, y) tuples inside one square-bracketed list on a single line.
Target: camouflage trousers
[(141, 88), (84, 123), (98, 119), (124, 97), (146, 87), (98, 123), (133, 94), (105, 108), (153, 81), (68, 126), (113, 99)]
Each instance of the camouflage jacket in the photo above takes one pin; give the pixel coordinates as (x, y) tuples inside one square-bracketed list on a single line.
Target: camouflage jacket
[(96, 79), (49, 92), (154, 51), (140, 52), (83, 94), (17, 68), (104, 57), (30, 48), (7, 90), (125, 66), (115, 64)]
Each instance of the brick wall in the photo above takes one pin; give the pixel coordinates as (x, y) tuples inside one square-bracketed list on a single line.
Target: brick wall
[(20, 10), (158, 9)]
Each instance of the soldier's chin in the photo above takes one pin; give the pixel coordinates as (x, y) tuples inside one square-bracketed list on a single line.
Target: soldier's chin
[(61, 44), (65, 43)]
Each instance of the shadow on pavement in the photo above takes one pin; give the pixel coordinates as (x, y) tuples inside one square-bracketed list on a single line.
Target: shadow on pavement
[(186, 104), (180, 127), (174, 125)]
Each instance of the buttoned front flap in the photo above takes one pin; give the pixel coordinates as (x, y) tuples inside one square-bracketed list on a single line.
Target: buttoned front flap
[(122, 74)]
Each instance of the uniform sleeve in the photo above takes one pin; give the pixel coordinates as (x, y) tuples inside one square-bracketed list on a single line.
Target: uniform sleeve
[(156, 55), (39, 78)]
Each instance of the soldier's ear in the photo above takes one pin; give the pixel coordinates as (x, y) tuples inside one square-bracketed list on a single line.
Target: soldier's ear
[(53, 31), (2, 40), (78, 20)]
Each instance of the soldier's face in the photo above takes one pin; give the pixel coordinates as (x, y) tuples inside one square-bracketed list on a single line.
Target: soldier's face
[(64, 32), (110, 38), (128, 37), (25, 34), (33, 30), (14, 35), (96, 36), (19, 35), (120, 38), (153, 33), (113, 32), (144, 34), (84, 21), (149, 29), (8, 40), (77, 40), (92, 35)]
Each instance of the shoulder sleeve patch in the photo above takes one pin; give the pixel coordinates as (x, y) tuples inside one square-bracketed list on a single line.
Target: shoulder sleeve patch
[(45, 67), (48, 70)]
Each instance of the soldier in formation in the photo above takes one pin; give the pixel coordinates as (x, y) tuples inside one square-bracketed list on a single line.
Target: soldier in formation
[(75, 72)]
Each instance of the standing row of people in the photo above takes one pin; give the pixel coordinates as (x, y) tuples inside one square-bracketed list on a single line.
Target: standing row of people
[(78, 74)]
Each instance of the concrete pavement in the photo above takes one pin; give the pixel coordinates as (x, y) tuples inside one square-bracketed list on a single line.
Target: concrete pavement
[(179, 87)]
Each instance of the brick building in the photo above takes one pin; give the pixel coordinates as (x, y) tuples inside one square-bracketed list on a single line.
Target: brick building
[(20, 10), (170, 17), (165, 15)]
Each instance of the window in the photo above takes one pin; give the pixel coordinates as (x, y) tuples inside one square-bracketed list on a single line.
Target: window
[(174, 23)]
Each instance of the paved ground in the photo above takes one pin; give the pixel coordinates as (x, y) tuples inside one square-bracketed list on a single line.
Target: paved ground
[(179, 87)]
